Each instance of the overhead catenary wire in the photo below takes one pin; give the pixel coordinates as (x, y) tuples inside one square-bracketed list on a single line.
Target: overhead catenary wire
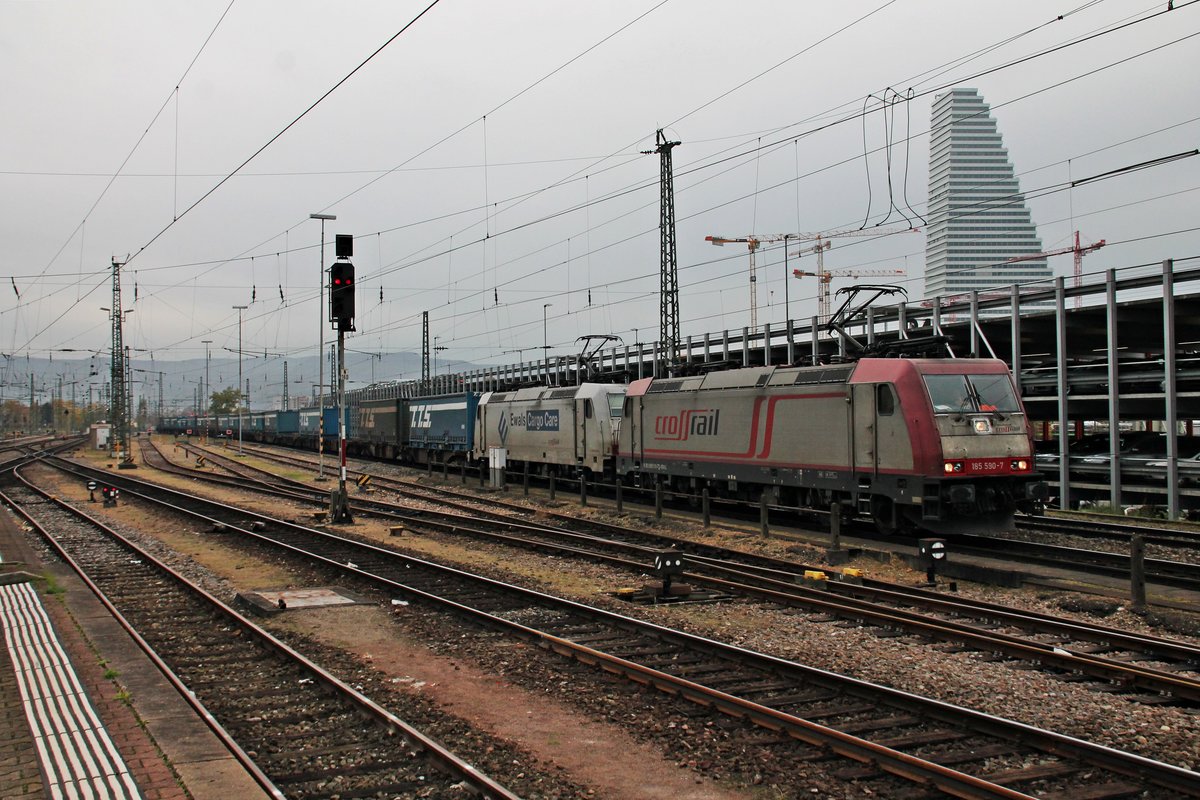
[(792, 140), (286, 128)]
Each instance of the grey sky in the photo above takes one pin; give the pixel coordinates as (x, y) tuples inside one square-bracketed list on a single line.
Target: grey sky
[(82, 82)]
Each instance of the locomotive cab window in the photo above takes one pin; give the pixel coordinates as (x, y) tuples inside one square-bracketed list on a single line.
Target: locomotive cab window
[(885, 400), (587, 408), (994, 392), (957, 394), (619, 405)]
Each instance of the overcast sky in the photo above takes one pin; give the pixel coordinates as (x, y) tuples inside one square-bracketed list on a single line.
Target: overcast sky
[(481, 223)]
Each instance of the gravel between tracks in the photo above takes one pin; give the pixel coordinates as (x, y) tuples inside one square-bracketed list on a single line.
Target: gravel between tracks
[(1168, 734), (971, 679)]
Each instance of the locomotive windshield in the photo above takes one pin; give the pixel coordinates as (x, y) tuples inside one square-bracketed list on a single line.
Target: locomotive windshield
[(970, 393), (616, 405)]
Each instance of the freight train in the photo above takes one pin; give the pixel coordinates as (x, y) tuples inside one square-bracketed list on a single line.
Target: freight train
[(941, 445)]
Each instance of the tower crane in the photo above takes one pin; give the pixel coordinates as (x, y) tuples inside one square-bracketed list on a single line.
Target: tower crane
[(825, 278), (1079, 252), (754, 241)]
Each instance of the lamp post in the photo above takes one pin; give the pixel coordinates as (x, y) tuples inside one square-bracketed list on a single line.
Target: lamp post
[(321, 352), (240, 309), (207, 383), (545, 341), (787, 301)]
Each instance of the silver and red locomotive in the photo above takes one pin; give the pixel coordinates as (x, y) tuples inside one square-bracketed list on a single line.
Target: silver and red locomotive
[(938, 444)]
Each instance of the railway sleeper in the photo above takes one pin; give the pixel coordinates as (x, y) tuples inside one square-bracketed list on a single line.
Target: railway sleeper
[(870, 725), (1104, 791), (691, 671), (800, 698), (295, 762), (313, 712), (949, 759), (317, 789), (739, 685), (673, 658), (813, 714), (190, 651), (271, 706), (259, 693), (641, 651), (321, 726), (923, 738)]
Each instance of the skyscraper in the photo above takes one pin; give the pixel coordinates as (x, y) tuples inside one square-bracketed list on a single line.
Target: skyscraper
[(977, 215)]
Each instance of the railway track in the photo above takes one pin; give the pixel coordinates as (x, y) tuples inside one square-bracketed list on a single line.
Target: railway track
[(1179, 574), (311, 735), (1146, 668), (893, 734), (1167, 572), (1120, 533)]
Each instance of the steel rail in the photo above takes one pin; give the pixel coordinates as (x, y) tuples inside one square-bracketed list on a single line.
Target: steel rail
[(1111, 531), (779, 587), (1128, 764), (1167, 573), (436, 752)]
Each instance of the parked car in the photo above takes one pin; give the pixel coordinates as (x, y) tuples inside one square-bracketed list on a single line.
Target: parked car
[(1081, 449), (1145, 459), (1148, 447), (1189, 467)]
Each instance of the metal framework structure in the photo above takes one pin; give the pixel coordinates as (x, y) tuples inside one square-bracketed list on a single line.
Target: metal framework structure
[(119, 408), (424, 348), (668, 293), (1026, 325)]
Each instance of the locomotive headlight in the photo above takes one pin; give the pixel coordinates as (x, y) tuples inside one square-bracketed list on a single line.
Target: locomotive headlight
[(953, 466), (1020, 465), (983, 425)]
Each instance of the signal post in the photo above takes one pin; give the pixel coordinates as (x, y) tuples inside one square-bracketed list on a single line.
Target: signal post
[(341, 316)]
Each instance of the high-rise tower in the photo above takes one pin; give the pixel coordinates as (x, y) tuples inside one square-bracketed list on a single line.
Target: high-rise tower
[(977, 215)]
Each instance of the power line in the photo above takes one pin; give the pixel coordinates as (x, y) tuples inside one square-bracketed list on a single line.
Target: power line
[(285, 128), (569, 210), (142, 138)]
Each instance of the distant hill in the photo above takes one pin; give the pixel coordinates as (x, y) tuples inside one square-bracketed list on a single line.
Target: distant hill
[(182, 379)]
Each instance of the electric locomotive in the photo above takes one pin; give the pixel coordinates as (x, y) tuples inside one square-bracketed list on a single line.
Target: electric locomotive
[(552, 430), (938, 444)]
